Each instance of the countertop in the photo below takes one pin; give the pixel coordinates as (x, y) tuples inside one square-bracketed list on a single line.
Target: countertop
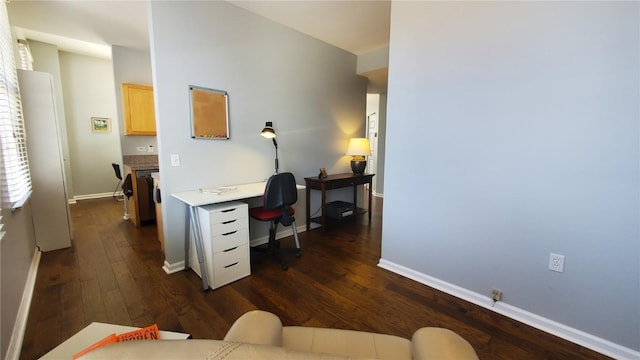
[(141, 162)]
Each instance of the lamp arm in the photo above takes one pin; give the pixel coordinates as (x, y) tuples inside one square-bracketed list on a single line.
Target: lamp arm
[(276, 146)]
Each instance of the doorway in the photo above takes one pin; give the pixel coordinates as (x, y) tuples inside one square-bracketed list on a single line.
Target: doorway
[(375, 129)]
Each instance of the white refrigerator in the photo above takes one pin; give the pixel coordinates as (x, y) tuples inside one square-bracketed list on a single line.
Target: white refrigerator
[(49, 205)]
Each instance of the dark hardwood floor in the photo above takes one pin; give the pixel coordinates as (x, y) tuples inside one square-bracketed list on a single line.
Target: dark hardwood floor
[(113, 274)]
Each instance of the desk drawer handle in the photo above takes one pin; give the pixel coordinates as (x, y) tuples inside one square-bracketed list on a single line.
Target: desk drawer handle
[(229, 222), (229, 210), (229, 233), (230, 249), (234, 264)]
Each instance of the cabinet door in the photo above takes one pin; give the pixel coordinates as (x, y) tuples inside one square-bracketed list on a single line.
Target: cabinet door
[(139, 112)]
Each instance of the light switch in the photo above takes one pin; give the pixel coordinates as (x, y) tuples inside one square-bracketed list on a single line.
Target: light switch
[(175, 160)]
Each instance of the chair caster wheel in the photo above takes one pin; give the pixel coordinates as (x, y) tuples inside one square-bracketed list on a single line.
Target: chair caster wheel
[(298, 254)]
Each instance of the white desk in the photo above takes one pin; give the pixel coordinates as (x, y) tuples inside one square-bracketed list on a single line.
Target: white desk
[(195, 198)]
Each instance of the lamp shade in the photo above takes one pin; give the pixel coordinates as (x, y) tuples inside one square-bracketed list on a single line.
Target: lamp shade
[(358, 147), (268, 131)]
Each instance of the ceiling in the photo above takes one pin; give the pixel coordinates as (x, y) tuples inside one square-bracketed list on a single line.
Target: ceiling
[(91, 27)]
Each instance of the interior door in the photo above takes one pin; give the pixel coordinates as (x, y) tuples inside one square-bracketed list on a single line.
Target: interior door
[(49, 206), (372, 135)]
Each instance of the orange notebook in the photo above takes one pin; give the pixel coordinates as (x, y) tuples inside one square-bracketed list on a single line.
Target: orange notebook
[(108, 340), (147, 333)]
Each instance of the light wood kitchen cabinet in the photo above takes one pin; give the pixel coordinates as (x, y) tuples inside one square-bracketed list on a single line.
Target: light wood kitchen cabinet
[(139, 111)]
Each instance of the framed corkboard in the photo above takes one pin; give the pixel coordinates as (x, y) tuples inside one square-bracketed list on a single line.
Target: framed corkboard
[(209, 113)]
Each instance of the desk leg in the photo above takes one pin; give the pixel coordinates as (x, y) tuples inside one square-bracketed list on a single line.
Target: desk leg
[(355, 203), (324, 207), (308, 208), (187, 239), (197, 239), (370, 184)]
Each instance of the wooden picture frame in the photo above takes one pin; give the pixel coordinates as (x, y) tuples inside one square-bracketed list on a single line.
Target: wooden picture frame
[(209, 113), (100, 125)]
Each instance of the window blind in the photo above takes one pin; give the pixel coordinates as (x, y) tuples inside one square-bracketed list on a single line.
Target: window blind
[(26, 60), (15, 180)]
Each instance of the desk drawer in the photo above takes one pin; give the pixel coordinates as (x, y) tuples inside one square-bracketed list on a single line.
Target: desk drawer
[(229, 226), (230, 239), (231, 265), (219, 213)]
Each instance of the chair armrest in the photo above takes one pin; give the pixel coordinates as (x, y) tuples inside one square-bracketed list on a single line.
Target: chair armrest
[(256, 327), (439, 343)]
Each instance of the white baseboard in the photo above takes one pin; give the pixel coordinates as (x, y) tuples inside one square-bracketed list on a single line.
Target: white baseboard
[(568, 333), (284, 232), (94, 196), (19, 327), (173, 268)]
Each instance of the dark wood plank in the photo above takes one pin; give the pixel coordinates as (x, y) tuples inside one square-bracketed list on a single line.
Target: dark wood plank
[(114, 274)]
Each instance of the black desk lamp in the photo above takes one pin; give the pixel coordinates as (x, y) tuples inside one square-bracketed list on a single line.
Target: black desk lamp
[(269, 133)]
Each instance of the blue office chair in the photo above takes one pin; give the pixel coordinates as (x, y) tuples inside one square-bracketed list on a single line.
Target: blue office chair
[(279, 194)]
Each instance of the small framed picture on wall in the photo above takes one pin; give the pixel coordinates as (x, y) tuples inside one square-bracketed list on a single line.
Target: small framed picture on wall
[(100, 125)]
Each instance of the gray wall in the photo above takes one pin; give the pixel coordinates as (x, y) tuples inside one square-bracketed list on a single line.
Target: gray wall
[(525, 119), (131, 66), (17, 249), (88, 87), (307, 88)]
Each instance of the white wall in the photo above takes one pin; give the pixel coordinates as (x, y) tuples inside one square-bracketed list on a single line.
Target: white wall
[(307, 88), (524, 116), (131, 66), (88, 87)]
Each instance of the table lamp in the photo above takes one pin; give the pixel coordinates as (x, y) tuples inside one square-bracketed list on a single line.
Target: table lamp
[(358, 148), (269, 133)]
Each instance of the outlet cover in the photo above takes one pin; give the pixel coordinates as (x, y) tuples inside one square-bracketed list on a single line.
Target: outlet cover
[(496, 295), (556, 262)]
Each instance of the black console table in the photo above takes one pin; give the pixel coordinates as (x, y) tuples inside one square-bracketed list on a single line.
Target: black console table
[(335, 181)]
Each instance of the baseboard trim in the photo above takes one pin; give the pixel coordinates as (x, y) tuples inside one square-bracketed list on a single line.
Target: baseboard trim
[(17, 336), (284, 232), (576, 336), (170, 268), (94, 196)]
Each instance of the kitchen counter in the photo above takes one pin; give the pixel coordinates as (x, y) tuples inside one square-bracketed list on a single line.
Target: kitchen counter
[(140, 162), (139, 207)]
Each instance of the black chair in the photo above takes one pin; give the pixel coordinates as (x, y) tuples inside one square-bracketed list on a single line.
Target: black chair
[(116, 169), (279, 194)]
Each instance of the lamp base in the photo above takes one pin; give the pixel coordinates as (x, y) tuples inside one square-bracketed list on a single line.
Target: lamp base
[(358, 166)]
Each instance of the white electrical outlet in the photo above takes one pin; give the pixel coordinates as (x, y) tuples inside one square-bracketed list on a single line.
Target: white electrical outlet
[(556, 262), (496, 295), (175, 160), (141, 148), (150, 148)]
